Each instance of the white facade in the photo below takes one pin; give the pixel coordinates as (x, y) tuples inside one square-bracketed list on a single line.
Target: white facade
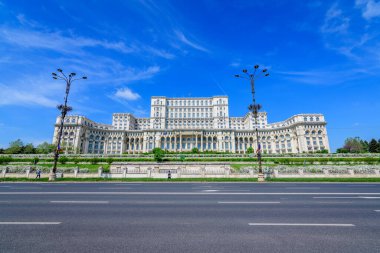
[(180, 124)]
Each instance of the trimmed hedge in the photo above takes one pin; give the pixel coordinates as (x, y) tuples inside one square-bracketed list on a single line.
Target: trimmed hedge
[(283, 161)]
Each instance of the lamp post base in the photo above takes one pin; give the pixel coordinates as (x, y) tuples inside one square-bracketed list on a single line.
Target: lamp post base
[(260, 178), (52, 176)]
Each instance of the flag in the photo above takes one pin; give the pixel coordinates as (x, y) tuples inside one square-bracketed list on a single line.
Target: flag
[(258, 149)]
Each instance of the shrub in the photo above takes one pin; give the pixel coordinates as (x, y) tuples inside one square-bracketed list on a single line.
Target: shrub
[(63, 160), (94, 160), (158, 154), (109, 160), (5, 159), (35, 160), (195, 151)]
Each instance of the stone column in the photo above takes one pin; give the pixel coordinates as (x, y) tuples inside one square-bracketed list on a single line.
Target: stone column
[(180, 142), (4, 171), (124, 172), (203, 171), (201, 141), (28, 171), (100, 171), (76, 171), (226, 171), (175, 143)]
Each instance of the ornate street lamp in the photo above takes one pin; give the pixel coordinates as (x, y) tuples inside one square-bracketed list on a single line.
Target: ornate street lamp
[(254, 107), (64, 109)]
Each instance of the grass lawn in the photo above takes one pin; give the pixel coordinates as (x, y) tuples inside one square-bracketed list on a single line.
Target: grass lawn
[(90, 167), (321, 179), (133, 180)]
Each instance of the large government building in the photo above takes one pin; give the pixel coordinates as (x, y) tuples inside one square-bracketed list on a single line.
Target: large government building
[(180, 124)]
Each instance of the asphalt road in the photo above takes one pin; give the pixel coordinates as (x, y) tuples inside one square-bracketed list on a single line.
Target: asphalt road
[(189, 217)]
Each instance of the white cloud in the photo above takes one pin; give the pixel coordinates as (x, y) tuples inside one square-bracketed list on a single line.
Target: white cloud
[(181, 37), (127, 94), (334, 21), (24, 97), (56, 41), (370, 8), (323, 77)]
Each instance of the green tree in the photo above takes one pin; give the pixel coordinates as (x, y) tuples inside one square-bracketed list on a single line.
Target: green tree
[(109, 160), (29, 149), (354, 145), (195, 151), (365, 145), (15, 147), (35, 160), (249, 150), (1, 151), (45, 148), (63, 160), (95, 160), (373, 146), (158, 154)]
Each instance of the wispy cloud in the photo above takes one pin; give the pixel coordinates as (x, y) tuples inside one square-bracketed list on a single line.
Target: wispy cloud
[(359, 42), (322, 77), (25, 96), (181, 37), (370, 8), (335, 21), (56, 41)]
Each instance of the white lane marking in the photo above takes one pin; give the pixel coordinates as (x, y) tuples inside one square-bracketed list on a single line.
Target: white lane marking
[(2, 201), (336, 197), (303, 188), (249, 202), (370, 185), (210, 190), (334, 202), (302, 224), (78, 202), (377, 210), (5, 186), (360, 197), (28, 223), (189, 193), (26, 188), (57, 183), (128, 184), (115, 188)]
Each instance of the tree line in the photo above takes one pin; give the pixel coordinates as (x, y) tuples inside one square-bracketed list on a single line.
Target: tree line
[(357, 145), (18, 147)]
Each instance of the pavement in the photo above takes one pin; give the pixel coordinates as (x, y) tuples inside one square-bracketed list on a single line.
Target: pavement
[(189, 217)]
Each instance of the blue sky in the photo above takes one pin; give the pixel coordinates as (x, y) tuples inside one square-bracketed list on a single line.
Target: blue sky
[(323, 56)]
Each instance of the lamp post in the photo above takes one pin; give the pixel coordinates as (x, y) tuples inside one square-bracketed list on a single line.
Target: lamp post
[(254, 107), (64, 109)]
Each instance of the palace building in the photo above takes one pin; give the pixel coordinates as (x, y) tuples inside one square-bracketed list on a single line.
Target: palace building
[(181, 124)]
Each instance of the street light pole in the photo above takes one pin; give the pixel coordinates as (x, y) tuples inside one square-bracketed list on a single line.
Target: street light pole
[(255, 108), (64, 109)]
